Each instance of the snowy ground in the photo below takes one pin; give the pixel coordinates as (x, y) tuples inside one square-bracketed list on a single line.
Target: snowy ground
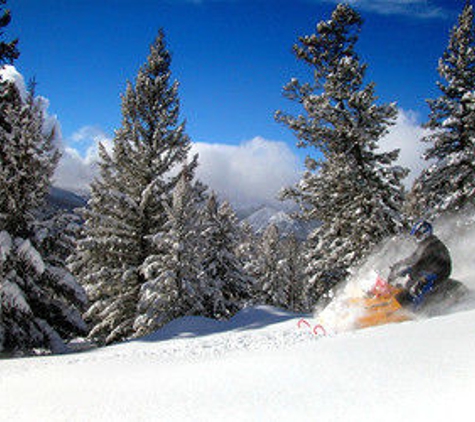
[(267, 365), (260, 366)]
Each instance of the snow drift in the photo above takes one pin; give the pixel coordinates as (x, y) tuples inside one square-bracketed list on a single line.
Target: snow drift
[(270, 371)]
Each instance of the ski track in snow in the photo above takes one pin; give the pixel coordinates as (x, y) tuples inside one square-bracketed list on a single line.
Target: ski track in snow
[(188, 348), (222, 344)]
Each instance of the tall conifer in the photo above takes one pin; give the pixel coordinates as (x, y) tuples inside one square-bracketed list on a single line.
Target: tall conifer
[(224, 282), (449, 183), (270, 285), (127, 201), (40, 301), (291, 270), (171, 287), (355, 191)]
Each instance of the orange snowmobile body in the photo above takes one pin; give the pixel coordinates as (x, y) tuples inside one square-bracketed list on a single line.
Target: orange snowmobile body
[(380, 306)]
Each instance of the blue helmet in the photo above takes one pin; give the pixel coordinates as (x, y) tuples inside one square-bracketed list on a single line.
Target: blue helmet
[(421, 230)]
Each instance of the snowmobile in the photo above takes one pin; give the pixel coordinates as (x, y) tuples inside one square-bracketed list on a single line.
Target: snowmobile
[(381, 306)]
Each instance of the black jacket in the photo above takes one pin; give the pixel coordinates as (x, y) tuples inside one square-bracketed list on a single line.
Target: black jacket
[(430, 257)]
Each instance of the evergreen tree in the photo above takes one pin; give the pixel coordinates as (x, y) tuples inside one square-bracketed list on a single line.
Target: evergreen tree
[(40, 301), (278, 271), (28, 159), (246, 249), (271, 286), (449, 183), (58, 230), (8, 50), (355, 191), (291, 270), (172, 288), (224, 282), (126, 206)]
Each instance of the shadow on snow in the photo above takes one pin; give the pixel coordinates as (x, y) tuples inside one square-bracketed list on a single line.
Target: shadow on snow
[(195, 326)]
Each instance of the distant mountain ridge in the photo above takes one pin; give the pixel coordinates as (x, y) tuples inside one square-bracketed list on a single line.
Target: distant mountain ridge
[(61, 199), (258, 217), (265, 216)]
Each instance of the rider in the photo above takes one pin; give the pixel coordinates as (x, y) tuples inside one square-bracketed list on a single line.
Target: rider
[(426, 268)]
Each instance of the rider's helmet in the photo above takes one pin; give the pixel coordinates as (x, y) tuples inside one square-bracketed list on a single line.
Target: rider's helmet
[(422, 230)]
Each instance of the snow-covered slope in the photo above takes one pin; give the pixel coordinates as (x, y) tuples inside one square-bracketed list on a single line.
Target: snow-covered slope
[(260, 366), (267, 365)]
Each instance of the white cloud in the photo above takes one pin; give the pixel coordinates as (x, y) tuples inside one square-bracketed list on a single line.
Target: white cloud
[(75, 172), (250, 173), (78, 165), (247, 174), (423, 9), (88, 135), (406, 135)]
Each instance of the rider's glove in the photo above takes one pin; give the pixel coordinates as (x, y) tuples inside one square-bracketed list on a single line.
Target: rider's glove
[(394, 273)]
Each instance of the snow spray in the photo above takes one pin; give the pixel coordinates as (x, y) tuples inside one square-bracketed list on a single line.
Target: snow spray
[(456, 231)]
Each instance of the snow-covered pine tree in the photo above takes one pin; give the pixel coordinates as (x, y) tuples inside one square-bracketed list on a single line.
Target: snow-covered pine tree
[(271, 287), (355, 191), (57, 231), (226, 287), (246, 249), (40, 301), (8, 50), (291, 271), (449, 183), (126, 205), (28, 159), (171, 287)]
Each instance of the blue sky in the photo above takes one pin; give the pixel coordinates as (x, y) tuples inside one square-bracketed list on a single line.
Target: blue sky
[(231, 57)]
